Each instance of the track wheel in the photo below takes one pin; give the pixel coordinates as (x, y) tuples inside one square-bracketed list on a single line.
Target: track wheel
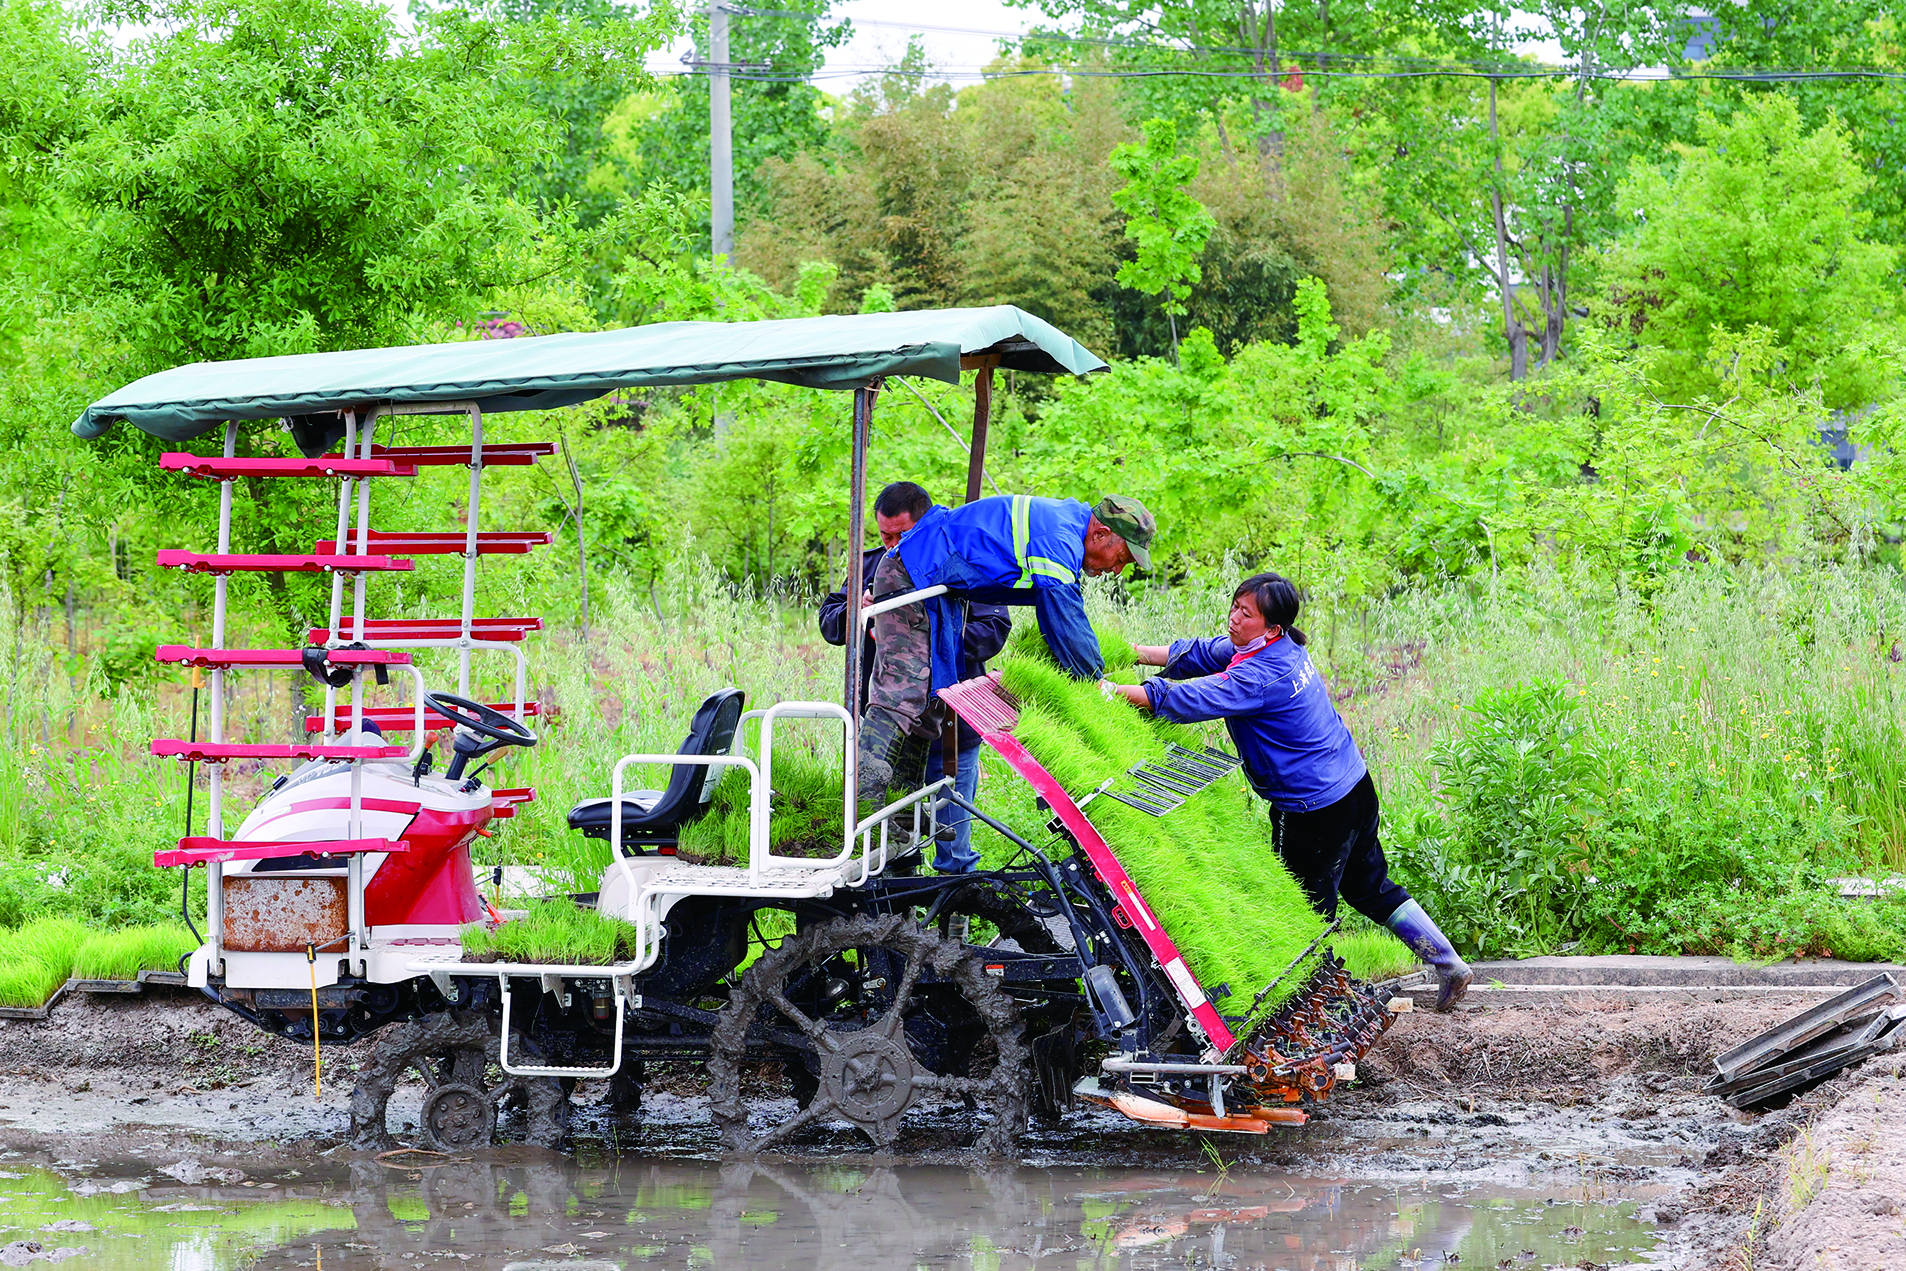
[(452, 1051), (863, 1052)]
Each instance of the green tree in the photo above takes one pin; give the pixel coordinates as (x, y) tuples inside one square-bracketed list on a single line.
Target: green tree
[(1859, 36), (275, 176), (1761, 225), (45, 82), (999, 194), (1168, 226)]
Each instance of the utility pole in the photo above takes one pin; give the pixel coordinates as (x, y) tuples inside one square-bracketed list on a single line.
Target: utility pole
[(721, 159)]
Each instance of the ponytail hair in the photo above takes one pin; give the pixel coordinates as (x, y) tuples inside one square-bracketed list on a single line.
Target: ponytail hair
[(1277, 599)]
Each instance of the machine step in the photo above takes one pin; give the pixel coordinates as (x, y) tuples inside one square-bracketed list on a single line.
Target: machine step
[(402, 718), (496, 454), (235, 562), (445, 629), (217, 659), (219, 752), (324, 466), (200, 850), (448, 543)]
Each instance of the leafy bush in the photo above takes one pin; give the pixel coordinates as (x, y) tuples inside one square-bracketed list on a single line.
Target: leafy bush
[(1553, 824)]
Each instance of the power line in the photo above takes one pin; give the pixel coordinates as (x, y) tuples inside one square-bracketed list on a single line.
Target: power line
[(1641, 75), (1322, 62)]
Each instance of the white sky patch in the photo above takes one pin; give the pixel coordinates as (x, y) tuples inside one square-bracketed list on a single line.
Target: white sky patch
[(960, 39)]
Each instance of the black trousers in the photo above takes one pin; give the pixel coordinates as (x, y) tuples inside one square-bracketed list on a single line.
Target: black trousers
[(1334, 851)]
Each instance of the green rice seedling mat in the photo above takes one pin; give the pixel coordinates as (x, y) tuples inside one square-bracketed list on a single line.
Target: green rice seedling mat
[(1207, 868), (553, 932)]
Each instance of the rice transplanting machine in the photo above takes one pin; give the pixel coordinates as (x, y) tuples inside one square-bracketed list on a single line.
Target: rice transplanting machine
[(336, 908)]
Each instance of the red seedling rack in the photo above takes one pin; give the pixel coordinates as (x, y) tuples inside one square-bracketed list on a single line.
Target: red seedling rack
[(359, 463), (986, 706)]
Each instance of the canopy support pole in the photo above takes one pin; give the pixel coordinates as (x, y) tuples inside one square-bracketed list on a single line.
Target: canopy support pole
[(856, 537), (982, 417)]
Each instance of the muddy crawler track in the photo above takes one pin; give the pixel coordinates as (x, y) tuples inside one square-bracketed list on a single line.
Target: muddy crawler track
[(467, 1039), (1003, 1087)]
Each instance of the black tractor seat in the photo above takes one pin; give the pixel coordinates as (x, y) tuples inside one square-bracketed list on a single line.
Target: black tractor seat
[(652, 820)]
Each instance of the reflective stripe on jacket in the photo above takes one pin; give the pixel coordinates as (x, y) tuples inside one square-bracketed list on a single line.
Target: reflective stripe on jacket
[(1006, 550)]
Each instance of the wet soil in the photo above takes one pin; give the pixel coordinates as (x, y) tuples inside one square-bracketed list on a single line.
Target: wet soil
[(1592, 1105)]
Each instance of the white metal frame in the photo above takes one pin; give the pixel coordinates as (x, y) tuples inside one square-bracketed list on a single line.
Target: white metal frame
[(623, 997), (902, 600)]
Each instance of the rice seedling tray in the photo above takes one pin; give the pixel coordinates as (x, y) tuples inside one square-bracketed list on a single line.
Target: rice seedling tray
[(39, 1012)]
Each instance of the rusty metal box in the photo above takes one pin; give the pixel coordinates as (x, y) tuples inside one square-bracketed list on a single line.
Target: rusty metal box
[(283, 915)]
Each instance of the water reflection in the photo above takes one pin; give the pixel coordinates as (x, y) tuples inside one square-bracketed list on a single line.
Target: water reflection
[(528, 1214)]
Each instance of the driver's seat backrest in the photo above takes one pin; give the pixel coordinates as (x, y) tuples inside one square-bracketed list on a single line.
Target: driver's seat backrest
[(711, 732), (652, 819)]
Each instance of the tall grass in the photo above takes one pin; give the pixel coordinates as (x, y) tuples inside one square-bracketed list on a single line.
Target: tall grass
[(1736, 740), (1784, 683)]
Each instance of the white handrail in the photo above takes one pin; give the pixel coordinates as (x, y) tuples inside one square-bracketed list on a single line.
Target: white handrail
[(904, 599), (757, 794), (884, 819), (803, 710)]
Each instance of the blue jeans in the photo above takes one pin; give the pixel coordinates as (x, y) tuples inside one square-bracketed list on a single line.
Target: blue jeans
[(957, 857)]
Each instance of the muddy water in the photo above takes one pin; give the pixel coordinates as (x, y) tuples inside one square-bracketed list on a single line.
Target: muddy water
[(528, 1213)]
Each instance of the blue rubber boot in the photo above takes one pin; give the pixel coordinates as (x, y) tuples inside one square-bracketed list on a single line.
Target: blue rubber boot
[(1417, 930)]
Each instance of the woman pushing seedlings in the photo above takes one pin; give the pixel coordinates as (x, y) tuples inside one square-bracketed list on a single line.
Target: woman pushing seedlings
[(1299, 756)]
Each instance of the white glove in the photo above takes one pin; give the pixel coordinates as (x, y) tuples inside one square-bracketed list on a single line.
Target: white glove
[(1108, 690)]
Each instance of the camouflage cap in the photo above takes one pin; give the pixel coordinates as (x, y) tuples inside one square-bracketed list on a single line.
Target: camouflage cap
[(1128, 519)]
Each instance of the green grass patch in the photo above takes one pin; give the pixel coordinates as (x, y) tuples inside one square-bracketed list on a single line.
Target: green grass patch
[(37, 958), (553, 931), (122, 955), (1207, 868)]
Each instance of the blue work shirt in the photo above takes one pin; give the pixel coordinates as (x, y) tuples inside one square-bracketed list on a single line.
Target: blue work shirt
[(1006, 550), (1297, 750)]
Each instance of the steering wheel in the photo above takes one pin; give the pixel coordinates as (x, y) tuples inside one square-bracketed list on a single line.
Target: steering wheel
[(498, 728)]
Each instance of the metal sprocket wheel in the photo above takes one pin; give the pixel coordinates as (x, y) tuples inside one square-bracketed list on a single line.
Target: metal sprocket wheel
[(450, 1049), (458, 1118), (868, 1072)]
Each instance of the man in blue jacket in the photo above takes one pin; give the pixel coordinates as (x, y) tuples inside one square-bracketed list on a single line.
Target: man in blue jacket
[(897, 509), (1300, 758), (1006, 550)]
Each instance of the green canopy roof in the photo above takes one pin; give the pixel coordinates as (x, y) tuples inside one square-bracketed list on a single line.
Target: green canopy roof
[(544, 372)]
